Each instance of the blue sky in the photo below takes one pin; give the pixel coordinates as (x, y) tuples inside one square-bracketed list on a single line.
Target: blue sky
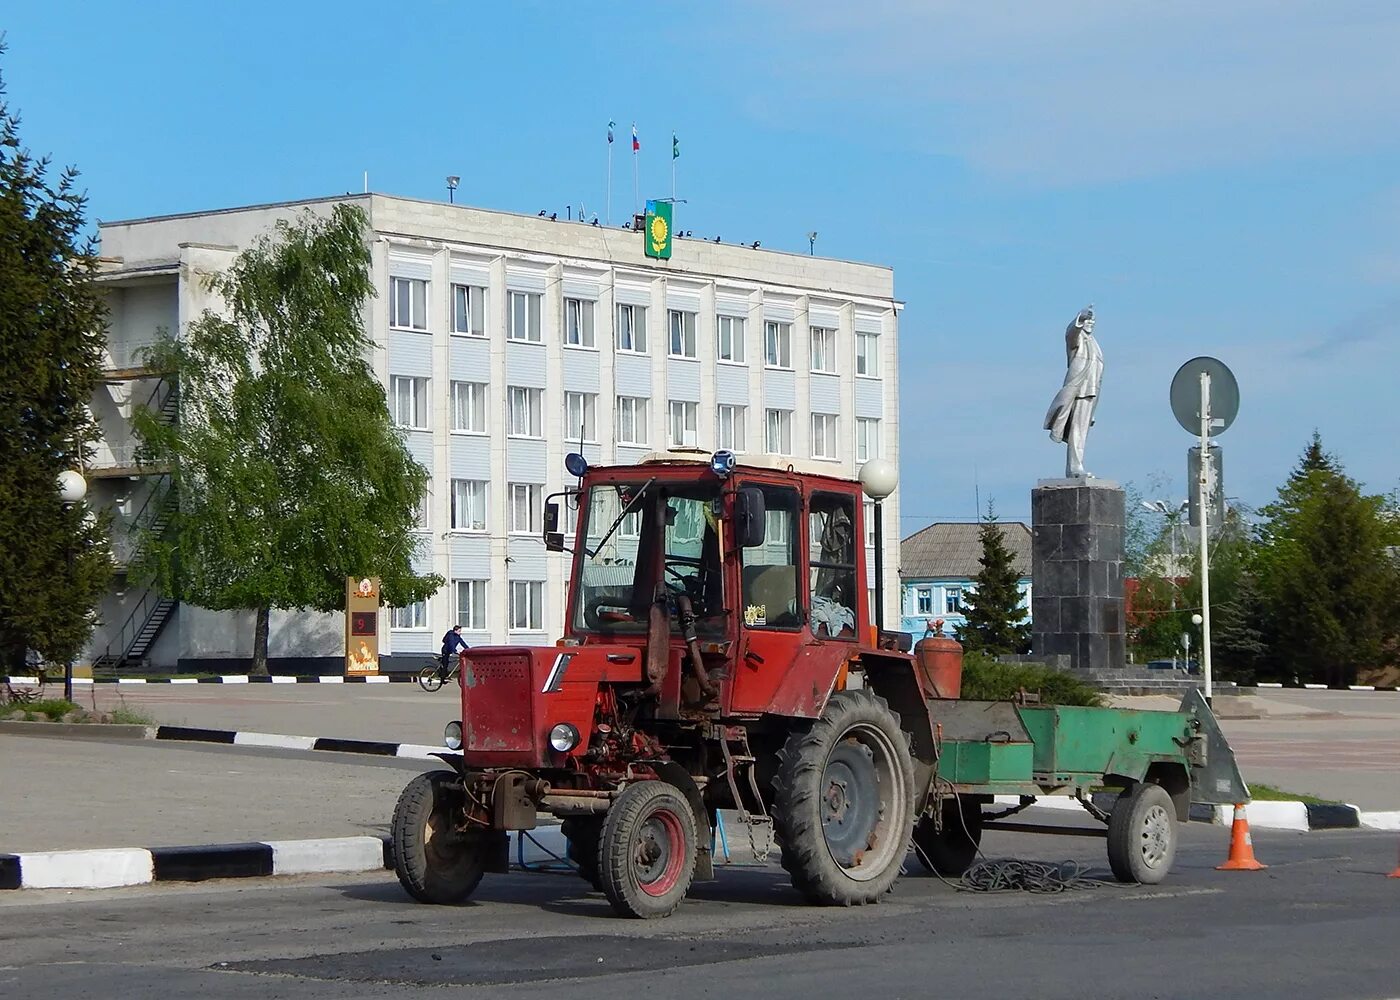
[(1216, 179)]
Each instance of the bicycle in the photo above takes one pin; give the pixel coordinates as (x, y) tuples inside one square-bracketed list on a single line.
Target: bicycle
[(433, 676)]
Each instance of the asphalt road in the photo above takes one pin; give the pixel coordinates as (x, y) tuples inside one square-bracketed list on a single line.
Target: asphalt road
[(1321, 922)]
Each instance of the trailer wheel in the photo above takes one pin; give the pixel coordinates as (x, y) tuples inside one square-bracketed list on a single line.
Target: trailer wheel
[(434, 862), (582, 833), (1142, 834), (843, 801), (950, 851), (646, 851)]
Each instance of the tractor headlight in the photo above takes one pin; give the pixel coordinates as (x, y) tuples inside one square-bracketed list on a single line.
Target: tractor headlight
[(563, 737), (452, 735)]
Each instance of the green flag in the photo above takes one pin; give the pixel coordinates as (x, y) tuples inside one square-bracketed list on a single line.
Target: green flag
[(657, 234), (675, 146)]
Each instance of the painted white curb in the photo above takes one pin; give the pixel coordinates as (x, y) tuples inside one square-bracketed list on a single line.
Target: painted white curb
[(418, 751), (1276, 815), (104, 869), (1381, 820), (331, 854), (274, 740)]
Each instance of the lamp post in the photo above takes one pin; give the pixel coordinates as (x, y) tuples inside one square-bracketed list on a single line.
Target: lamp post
[(72, 487), (812, 243), (1173, 522), (452, 181), (878, 478)]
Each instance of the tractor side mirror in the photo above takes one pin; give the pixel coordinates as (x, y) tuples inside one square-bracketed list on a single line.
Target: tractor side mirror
[(553, 537), (750, 517)]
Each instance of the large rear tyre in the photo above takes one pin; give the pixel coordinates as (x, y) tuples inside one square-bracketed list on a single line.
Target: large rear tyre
[(430, 678), (435, 863), (950, 852), (583, 834), (1142, 834), (646, 853), (843, 802)]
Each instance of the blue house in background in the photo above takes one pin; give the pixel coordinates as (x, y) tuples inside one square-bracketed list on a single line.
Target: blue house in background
[(937, 567)]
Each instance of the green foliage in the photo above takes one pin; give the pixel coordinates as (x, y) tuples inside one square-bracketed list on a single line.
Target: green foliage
[(290, 475), (52, 709), (55, 561), (984, 679), (996, 622)]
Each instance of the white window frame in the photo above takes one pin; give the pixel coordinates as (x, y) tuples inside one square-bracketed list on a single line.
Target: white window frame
[(411, 295), (638, 407), (579, 323), (729, 339), (867, 354), (730, 437), (412, 390), (631, 332), (526, 596), (523, 411), (777, 344), (580, 417), (478, 594), (530, 304), (468, 310), (825, 436), (532, 495), (468, 409), (777, 431), (868, 512), (868, 443), (410, 618), (469, 505), (680, 322), (923, 601), (950, 594), (684, 424), (425, 513), (824, 350)]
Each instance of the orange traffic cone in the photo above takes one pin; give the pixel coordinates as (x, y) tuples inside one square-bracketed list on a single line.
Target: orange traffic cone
[(1241, 846)]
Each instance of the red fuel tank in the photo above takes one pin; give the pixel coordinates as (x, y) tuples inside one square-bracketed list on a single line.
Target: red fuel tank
[(940, 661)]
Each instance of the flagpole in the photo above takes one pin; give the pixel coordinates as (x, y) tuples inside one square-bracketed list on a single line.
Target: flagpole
[(636, 186), (609, 215)]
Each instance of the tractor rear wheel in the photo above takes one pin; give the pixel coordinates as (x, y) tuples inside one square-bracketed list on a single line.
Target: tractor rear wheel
[(583, 833), (1142, 834), (950, 851), (646, 853), (434, 862), (843, 801)]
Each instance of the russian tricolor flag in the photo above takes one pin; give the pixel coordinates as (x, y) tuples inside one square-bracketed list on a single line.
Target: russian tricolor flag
[(636, 143)]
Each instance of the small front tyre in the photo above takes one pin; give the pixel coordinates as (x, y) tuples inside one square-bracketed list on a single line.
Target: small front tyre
[(1142, 835), (646, 851), (434, 862)]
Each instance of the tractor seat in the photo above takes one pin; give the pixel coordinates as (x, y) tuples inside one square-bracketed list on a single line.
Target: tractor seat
[(773, 588)]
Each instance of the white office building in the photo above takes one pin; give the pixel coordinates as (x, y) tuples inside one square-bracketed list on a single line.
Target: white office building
[(505, 342)]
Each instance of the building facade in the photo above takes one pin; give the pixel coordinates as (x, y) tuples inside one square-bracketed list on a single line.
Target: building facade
[(503, 343), (938, 570)]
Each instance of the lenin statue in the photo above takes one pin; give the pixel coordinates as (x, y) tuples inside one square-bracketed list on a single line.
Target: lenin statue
[(1071, 414)]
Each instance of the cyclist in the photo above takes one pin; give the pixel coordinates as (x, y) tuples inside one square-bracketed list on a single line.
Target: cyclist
[(452, 641)]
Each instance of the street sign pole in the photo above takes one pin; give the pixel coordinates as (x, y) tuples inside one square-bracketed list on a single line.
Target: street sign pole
[(1203, 493)]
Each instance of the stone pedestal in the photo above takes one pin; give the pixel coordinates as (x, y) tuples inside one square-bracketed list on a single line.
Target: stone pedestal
[(1077, 572)]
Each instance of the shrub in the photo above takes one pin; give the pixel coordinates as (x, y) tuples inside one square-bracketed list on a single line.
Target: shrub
[(984, 679)]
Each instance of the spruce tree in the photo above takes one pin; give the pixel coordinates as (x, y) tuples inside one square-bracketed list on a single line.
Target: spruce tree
[(55, 561), (996, 621), (289, 472)]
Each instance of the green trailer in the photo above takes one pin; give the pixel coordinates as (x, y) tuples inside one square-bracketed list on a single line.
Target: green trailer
[(1155, 763)]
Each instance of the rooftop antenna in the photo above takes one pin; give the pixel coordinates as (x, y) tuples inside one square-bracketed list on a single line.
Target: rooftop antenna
[(976, 494), (812, 243)]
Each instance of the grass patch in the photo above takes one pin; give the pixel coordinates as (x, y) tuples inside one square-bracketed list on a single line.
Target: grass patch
[(129, 717), (984, 679), (52, 709), (1268, 793)]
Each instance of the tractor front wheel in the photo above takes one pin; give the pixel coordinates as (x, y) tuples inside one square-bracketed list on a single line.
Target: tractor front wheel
[(843, 801), (646, 852), (435, 862)]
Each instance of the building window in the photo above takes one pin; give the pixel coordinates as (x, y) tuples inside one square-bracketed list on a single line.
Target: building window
[(578, 323), (523, 418), (867, 439), (408, 303), (526, 605), (410, 401), (952, 600), (823, 349), (579, 422), (868, 354), (411, 616), (868, 509), (469, 310), (730, 434), (469, 407), (523, 316), (632, 329), (468, 505), (824, 435), (631, 526), (777, 344), (925, 600), (730, 336), (685, 431), (631, 420), (778, 437), (471, 604), (425, 522), (682, 334), (525, 506)]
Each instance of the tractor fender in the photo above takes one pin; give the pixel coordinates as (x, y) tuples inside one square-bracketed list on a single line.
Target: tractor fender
[(673, 774), (892, 676)]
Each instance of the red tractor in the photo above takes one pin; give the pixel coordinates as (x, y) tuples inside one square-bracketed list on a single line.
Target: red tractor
[(718, 654)]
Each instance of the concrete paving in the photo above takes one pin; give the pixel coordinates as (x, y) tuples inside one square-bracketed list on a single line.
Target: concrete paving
[(1321, 922)]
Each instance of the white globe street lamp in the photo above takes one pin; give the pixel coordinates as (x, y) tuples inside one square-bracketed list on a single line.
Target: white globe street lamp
[(878, 478)]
